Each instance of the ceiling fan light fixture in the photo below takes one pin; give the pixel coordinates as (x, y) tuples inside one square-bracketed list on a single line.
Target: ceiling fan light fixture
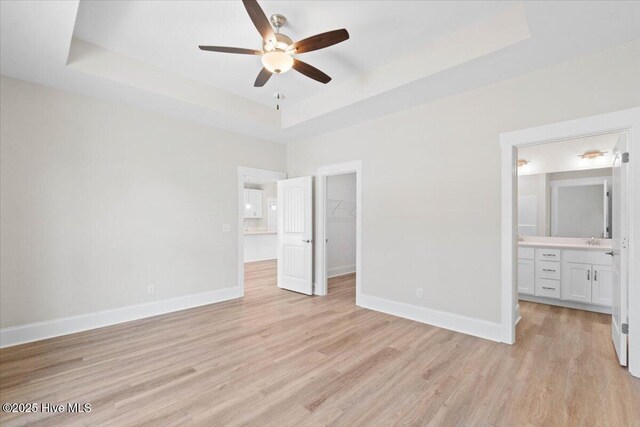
[(277, 61)]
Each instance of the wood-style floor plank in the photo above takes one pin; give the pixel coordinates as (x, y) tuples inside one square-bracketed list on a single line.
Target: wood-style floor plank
[(279, 358)]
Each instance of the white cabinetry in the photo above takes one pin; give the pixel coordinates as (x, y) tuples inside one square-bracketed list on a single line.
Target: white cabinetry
[(548, 272), (601, 292), (571, 275), (576, 282), (252, 203), (526, 276), (526, 271), (260, 246)]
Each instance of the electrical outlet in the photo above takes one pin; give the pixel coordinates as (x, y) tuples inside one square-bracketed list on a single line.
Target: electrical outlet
[(151, 289), (226, 228), (418, 292)]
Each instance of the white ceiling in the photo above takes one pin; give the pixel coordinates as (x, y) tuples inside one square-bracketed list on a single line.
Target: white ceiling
[(166, 34), (400, 54), (563, 155)]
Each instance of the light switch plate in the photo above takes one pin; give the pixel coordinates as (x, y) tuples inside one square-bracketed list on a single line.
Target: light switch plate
[(226, 228)]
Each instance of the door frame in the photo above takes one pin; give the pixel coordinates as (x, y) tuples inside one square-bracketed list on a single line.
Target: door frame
[(322, 173), (625, 120), (257, 173)]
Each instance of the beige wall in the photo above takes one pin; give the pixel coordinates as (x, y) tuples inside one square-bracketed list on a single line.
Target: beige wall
[(100, 200), (431, 177)]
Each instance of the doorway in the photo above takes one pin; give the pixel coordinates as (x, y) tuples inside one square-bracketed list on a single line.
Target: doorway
[(257, 224), (341, 213), (338, 227), (565, 274)]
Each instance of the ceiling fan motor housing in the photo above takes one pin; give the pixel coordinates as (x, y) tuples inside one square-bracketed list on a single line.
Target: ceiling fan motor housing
[(282, 42), (278, 20)]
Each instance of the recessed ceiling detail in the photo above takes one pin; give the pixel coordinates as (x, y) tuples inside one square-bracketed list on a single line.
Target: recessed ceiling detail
[(400, 54)]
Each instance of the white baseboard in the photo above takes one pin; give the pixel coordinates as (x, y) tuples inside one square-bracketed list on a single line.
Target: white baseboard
[(466, 325), (340, 271), (567, 304), (517, 315), (68, 325)]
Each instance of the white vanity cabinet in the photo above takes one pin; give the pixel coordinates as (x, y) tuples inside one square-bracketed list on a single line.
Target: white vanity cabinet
[(582, 276), (252, 203)]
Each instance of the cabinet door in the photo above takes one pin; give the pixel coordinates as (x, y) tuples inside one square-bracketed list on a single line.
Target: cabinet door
[(252, 203), (526, 276), (602, 285), (576, 281), (257, 203), (247, 204)]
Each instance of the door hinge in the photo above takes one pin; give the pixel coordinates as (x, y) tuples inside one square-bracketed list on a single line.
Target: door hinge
[(625, 157), (625, 328)]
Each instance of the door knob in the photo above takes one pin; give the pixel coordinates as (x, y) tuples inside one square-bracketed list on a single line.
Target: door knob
[(307, 241), (610, 253)]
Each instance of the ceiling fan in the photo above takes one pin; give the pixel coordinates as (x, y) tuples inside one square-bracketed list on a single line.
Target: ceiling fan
[(278, 49)]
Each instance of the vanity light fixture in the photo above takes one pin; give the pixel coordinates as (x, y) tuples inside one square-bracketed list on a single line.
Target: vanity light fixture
[(523, 162), (593, 154)]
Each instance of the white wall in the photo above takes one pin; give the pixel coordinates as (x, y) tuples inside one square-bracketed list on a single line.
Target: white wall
[(100, 200), (341, 224), (431, 177)]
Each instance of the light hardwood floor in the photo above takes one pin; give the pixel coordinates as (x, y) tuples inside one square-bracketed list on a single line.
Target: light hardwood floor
[(280, 358)]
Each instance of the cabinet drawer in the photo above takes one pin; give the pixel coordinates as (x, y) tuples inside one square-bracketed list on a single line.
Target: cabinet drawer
[(548, 270), (526, 253), (548, 254), (548, 288)]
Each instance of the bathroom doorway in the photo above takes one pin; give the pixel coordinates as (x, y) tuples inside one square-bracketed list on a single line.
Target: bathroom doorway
[(568, 259)]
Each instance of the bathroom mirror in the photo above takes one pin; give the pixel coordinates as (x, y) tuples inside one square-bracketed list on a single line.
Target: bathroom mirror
[(580, 209), (565, 204)]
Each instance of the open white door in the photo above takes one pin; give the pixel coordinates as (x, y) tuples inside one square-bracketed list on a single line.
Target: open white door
[(620, 253), (295, 233)]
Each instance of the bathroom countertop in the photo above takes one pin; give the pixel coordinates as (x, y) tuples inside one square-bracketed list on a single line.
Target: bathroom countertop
[(604, 244), (260, 232)]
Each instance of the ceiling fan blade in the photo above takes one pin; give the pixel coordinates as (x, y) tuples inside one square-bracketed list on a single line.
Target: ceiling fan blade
[(226, 49), (263, 77), (310, 71), (259, 19), (319, 41)]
